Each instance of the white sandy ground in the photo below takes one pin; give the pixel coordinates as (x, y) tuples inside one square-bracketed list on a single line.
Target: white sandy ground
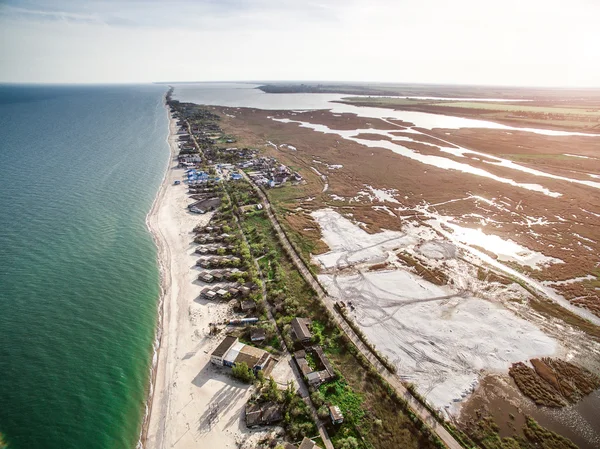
[(187, 385), (441, 338)]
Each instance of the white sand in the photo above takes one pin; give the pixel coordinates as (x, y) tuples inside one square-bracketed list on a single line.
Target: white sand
[(187, 385)]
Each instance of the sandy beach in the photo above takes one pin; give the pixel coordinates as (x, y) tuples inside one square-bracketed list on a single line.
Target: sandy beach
[(186, 387)]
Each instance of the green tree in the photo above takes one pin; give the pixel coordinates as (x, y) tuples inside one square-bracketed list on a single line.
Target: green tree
[(242, 372), (273, 393)]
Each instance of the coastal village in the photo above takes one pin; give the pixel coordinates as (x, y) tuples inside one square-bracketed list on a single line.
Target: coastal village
[(283, 361)]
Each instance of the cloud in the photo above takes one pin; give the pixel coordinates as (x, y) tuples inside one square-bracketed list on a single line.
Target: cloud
[(539, 42), (182, 13)]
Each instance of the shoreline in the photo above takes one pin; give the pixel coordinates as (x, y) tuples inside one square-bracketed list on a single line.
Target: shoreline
[(160, 242), (184, 384)]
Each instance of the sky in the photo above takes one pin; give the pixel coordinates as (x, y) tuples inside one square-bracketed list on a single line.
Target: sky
[(508, 42)]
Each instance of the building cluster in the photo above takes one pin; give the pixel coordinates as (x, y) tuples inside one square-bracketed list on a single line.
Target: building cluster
[(220, 263), (224, 275), (314, 376), (324, 371), (269, 172), (205, 131)]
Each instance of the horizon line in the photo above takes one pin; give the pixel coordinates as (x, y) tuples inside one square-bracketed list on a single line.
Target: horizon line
[(290, 81)]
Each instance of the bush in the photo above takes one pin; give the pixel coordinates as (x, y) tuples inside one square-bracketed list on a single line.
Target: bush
[(242, 372), (317, 398), (323, 412), (348, 443)]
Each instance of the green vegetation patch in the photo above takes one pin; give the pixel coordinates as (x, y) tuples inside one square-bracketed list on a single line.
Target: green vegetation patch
[(485, 433)]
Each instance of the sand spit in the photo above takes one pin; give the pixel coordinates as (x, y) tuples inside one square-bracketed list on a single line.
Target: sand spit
[(187, 388), (442, 338)]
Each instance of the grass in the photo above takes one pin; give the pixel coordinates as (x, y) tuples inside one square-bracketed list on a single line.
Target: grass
[(584, 117), (528, 156), (435, 276), (480, 105), (551, 309), (520, 107)]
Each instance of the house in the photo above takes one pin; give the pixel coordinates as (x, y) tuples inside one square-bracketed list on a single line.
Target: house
[(247, 306), (209, 294), (300, 329), (205, 277), (258, 335), (314, 377), (335, 414), (308, 444), (217, 355), (203, 262), (329, 372), (300, 357), (263, 414), (222, 293), (231, 352), (251, 285), (219, 276)]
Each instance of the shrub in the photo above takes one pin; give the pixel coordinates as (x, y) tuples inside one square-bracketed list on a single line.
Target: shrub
[(317, 398), (348, 443), (323, 412), (242, 372)]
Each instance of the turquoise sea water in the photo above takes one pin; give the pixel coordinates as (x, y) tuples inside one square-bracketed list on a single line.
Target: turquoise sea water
[(79, 283)]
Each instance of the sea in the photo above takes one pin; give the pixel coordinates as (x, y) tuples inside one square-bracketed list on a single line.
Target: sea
[(79, 280)]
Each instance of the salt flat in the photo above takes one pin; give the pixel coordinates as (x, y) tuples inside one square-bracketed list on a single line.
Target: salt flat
[(441, 338)]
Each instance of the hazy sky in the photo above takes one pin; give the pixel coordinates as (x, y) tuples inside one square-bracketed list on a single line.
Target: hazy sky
[(522, 42)]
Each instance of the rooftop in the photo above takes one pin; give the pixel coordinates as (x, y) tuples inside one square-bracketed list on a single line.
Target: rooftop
[(250, 355), (308, 444), (336, 413), (225, 345), (258, 414), (258, 334), (300, 328)]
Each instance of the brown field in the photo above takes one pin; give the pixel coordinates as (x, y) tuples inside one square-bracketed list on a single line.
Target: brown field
[(553, 382), (570, 230)]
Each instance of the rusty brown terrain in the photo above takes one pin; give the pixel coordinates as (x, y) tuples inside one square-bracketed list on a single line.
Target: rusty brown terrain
[(567, 228), (553, 382)]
